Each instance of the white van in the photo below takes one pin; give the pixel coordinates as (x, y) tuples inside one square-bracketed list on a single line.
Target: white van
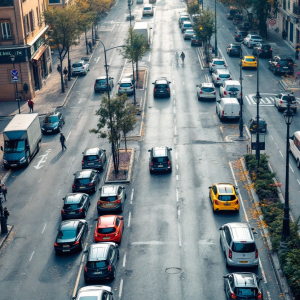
[(230, 88), (295, 147), (228, 108)]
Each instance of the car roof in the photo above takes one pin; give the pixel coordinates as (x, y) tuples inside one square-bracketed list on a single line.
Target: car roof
[(159, 151), (244, 279), (187, 22), (232, 82), (78, 62), (207, 84), (218, 58), (148, 5), (255, 119), (93, 290), (107, 221), (249, 56), (235, 44), (189, 30), (101, 77), (223, 71), (54, 113), (225, 188), (69, 224), (91, 151), (126, 79), (73, 198), (98, 251), (161, 80), (240, 231), (285, 57), (83, 174), (109, 190)]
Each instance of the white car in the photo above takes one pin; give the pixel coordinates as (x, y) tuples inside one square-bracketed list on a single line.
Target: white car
[(148, 10), (126, 86), (230, 89), (94, 292), (281, 101), (80, 67), (252, 39), (220, 75), (186, 25), (216, 63), (206, 90), (188, 34)]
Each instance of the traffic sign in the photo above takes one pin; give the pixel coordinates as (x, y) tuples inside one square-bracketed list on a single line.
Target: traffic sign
[(272, 22), (14, 76)]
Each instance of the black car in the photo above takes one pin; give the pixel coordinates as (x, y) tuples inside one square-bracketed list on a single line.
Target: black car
[(101, 84), (101, 261), (282, 64), (234, 49), (262, 125), (245, 26), (71, 236), (93, 158), (112, 199), (240, 35), (75, 206), (263, 50), (85, 181), (53, 123), (243, 285), (195, 41), (161, 87), (231, 13), (160, 159)]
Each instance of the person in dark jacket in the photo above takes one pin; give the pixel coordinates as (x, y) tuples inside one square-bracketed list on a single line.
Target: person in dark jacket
[(297, 51), (3, 190), (65, 71), (62, 141), (6, 213)]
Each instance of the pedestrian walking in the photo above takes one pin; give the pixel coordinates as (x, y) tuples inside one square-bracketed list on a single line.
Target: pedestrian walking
[(30, 105), (5, 213), (3, 190), (297, 51), (177, 57), (66, 80), (182, 55), (90, 46), (62, 141), (58, 68), (65, 71)]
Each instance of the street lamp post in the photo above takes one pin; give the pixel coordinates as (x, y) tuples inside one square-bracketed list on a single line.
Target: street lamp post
[(134, 95), (12, 58), (258, 97), (288, 117), (216, 44), (241, 125)]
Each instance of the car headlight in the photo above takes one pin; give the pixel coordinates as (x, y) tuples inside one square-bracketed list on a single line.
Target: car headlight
[(43, 128), (23, 159), (55, 127), (5, 161)]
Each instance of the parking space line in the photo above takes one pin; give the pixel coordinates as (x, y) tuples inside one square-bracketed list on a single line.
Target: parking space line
[(44, 228)]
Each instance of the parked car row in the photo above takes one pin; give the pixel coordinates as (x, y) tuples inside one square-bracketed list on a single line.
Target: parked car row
[(186, 26)]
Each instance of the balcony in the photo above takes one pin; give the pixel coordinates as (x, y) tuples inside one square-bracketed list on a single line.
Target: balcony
[(296, 10), (6, 3)]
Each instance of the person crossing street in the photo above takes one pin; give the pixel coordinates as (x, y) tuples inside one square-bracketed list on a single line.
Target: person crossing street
[(62, 140), (182, 55)]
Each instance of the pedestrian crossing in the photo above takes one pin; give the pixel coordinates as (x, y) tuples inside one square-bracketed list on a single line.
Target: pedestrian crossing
[(266, 99)]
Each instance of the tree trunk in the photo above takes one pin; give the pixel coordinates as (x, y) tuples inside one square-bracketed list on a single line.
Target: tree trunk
[(125, 140), (137, 70), (69, 66), (86, 43), (61, 75)]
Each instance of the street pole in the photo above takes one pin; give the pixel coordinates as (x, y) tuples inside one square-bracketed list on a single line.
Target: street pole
[(69, 66), (258, 97), (288, 116), (216, 44), (134, 95), (241, 125), (12, 57)]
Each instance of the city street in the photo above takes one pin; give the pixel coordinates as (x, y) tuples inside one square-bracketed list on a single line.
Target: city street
[(170, 247)]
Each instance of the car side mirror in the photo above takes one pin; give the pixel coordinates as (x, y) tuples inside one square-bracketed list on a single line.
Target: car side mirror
[(149, 150), (111, 78), (96, 219), (82, 152), (225, 276), (169, 81), (64, 199), (153, 83), (103, 150), (121, 218), (85, 251), (1, 148), (74, 174), (221, 228)]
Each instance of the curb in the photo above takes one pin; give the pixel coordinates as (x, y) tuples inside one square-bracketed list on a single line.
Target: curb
[(286, 87), (130, 169), (9, 227), (282, 282)]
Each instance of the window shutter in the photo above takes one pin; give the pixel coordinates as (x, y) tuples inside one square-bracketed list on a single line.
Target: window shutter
[(26, 25), (33, 20)]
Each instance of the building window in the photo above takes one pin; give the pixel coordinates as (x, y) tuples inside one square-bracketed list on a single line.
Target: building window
[(289, 5), (38, 16), (5, 29), (32, 20), (54, 1), (284, 4), (26, 25)]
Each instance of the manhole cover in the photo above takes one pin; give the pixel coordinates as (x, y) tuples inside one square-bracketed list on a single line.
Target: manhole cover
[(173, 270)]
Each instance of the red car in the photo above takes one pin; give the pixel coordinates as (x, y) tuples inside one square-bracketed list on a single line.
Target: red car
[(109, 228)]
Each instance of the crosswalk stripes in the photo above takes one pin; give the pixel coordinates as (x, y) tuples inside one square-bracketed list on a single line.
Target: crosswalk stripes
[(264, 101)]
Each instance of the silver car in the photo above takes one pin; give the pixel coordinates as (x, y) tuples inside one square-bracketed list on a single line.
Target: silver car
[(186, 25), (216, 63), (148, 10), (206, 90), (80, 67), (188, 34), (220, 75), (126, 86), (252, 39), (101, 84), (94, 292), (281, 101)]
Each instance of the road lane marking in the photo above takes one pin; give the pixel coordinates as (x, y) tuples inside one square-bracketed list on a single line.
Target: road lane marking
[(131, 198), (262, 271), (129, 217), (121, 288), (177, 178), (291, 168), (68, 135), (272, 137), (42, 160), (178, 213), (97, 59), (298, 181), (175, 130), (177, 195), (276, 145), (44, 227), (31, 256), (280, 153), (179, 235), (176, 167), (58, 193), (174, 110), (124, 260)]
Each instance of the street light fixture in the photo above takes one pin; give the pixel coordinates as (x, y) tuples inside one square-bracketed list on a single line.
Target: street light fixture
[(12, 58), (241, 125), (288, 117)]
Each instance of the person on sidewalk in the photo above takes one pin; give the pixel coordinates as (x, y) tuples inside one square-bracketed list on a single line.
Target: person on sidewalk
[(65, 71), (3, 190), (90, 46), (5, 213), (62, 140), (66, 80), (297, 51), (182, 55), (284, 34), (30, 105), (58, 68)]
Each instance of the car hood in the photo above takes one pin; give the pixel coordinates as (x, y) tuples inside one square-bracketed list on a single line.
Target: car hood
[(60, 241), (13, 156), (49, 125)]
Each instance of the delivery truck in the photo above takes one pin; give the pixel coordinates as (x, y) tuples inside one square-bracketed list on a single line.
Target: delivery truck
[(142, 28), (22, 137)]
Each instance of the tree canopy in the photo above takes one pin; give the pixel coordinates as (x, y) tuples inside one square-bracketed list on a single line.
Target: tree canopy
[(205, 26)]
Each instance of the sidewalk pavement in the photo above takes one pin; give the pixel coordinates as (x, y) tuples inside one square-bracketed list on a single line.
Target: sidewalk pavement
[(4, 236)]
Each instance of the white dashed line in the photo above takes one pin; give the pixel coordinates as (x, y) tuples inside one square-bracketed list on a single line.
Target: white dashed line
[(272, 137), (175, 130), (292, 169), (179, 235), (178, 213), (298, 181), (124, 260), (68, 135), (177, 178), (31, 256), (131, 198), (44, 228), (176, 167), (177, 195), (174, 110), (280, 153), (58, 193), (129, 217), (121, 288)]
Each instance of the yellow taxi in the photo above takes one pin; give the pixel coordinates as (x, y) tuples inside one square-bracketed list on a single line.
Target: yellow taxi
[(249, 61), (224, 197)]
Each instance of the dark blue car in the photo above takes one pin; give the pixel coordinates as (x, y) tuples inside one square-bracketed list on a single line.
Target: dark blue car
[(53, 123)]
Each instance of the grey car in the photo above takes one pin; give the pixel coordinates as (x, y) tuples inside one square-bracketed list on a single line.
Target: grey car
[(233, 49), (94, 292), (101, 84), (93, 158), (75, 206)]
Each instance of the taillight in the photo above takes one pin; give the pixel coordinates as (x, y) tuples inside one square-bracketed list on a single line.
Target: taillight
[(80, 210), (168, 89), (259, 295), (119, 87), (256, 253), (82, 162), (214, 92), (99, 202), (224, 65), (131, 86), (154, 90), (230, 49), (169, 162), (55, 244), (109, 268), (82, 67), (222, 112), (201, 92), (232, 295), (213, 65), (99, 160), (281, 101), (278, 65), (230, 253), (90, 184), (63, 211), (230, 78), (73, 185), (85, 269), (225, 93), (76, 243), (216, 202), (151, 164), (95, 85), (237, 202), (118, 201), (271, 49), (218, 78), (106, 83)]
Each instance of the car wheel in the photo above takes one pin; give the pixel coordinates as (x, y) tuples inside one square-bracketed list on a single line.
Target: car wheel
[(295, 110), (227, 265)]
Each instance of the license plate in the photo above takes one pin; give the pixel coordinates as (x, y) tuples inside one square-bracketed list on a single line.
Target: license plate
[(66, 250), (13, 165), (207, 94), (66, 246), (72, 213), (285, 67), (91, 164), (243, 261), (82, 187), (125, 89), (106, 238), (109, 204), (161, 91), (97, 273), (227, 204), (49, 130), (160, 166)]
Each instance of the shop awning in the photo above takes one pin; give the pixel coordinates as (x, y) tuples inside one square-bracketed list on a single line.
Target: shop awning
[(39, 53)]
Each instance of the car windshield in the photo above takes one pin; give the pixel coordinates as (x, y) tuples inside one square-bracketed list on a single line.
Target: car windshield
[(108, 198), (52, 119), (106, 230), (77, 65), (224, 75), (101, 81), (241, 291), (219, 62), (189, 32), (226, 197), (208, 89), (160, 159), (88, 298), (286, 98), (147, 8), (66, 234), (266, 47), (232, 88), (286, 62), (161, 86), (236, 47), (243, 247), (97, 264), (256, 37), (14, 146), (90, 157), (82, 180), (261, 122), (71, 206), (125, 85), (250, 59), (187, 25)]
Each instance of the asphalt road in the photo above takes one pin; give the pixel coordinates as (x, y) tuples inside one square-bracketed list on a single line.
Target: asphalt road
[(170, 248)]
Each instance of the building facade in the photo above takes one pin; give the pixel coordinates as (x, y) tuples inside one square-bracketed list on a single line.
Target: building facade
[(58, 3), (288, 19), (22, 48)]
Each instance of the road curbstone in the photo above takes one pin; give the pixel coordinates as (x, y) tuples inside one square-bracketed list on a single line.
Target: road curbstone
[(3, 237)]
